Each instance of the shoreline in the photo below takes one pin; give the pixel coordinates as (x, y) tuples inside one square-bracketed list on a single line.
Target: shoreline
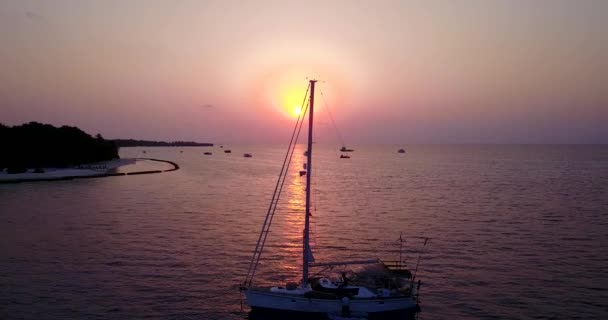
[(87, 171)]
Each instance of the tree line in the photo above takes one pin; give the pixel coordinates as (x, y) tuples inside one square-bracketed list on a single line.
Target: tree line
[(148, 143), (37, 145)]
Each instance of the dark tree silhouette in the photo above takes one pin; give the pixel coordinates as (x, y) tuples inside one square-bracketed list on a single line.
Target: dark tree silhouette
[(147, 143), (37, 145)]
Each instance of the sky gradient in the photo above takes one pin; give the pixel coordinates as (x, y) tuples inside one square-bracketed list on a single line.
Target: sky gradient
[(233, 71)]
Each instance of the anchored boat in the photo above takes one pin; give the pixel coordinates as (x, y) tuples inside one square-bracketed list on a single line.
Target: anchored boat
[(380, 288)]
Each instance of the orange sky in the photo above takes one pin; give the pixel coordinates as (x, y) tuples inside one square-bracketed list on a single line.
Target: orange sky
[(391, 71)]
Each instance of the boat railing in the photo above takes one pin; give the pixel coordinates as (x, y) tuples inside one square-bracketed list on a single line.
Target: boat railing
[(394, 264), (343, 263), (396, 267)]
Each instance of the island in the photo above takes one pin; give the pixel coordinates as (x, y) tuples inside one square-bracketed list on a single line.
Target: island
[(148, 143), (43, 152), (36, 145)]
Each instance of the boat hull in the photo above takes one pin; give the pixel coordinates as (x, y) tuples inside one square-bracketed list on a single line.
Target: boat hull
[(266, 300)]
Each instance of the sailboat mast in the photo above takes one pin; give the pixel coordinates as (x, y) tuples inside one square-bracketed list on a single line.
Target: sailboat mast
[(306, 238)]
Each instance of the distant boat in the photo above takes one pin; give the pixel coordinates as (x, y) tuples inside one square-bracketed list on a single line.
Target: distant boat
[(247, 155), (221, 146), (181, 151), (401, 151), (302, 173), (207, 153), (343, 156), (144, 151), (227, 151), (344, 149)]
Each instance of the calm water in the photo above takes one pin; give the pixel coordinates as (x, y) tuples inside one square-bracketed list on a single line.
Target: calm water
[(517, 232)]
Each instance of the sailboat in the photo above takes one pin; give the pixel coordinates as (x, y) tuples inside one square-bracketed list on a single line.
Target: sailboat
[(388, 288)]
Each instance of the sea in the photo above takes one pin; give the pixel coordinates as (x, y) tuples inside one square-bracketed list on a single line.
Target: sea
[(495, 231)]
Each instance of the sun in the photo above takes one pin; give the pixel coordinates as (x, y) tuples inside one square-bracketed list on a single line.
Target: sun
[(290, 102), (297, 111), (283, 92)]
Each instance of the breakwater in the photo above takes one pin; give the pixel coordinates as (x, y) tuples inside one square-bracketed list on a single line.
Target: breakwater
[(175, 165)]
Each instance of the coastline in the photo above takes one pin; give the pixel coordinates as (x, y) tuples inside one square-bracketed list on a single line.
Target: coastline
[(92, 170)]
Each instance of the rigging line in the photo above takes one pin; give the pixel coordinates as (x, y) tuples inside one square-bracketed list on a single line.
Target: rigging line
[(279, 192), (365, 198), (426, 240), (331, 118), (288, 165), (358, 182), (257, 251), (266, 227), (273, 204), (275, 197), (283, 182)]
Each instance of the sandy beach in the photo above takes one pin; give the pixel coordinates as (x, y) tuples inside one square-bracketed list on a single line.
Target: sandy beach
[(88, 170)]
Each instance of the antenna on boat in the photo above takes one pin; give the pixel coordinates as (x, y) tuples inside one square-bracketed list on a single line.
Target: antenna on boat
[(400, 248), (419, 256)]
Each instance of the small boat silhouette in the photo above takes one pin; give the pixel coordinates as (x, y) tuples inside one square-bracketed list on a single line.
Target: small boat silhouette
[(247, 155)]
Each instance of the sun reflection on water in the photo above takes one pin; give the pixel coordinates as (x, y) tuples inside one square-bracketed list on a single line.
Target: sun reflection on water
[(293, 216)]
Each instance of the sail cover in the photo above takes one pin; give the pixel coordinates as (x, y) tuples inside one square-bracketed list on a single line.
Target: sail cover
[(309, 255)]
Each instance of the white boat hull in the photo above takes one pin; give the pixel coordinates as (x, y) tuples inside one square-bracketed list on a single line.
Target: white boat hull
[(299, 303)]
